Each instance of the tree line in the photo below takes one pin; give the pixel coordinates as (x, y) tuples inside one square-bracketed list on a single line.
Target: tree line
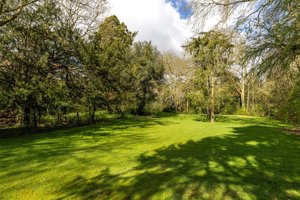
[(65, 58), (48, 67)]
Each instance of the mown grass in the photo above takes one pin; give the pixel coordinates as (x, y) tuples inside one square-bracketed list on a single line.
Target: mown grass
[(168, 157)]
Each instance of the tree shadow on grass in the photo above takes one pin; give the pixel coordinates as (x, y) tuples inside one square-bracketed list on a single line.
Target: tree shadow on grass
[(165, 114), (254, 162), (115, 123), (29, 155)]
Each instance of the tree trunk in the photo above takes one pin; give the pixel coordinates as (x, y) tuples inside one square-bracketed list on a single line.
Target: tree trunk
[(243, 105), (77, 117), (212, 106), (93, 111), (209, 92), (39, 118), (93, 117), (26, 116), (64, 111), (175, 99), (177, 106), (58, 118), (34, 114), (141, 107), (187, 105), (248, 97)]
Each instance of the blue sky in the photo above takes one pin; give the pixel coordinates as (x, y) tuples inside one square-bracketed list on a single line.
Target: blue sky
[(182, 8)]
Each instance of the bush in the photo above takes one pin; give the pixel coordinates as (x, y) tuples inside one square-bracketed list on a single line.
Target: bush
[(153, 107), (242, 111)]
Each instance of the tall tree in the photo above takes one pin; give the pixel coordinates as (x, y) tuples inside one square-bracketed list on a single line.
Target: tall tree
[(148, 72), (211, 52), (108, 63), (24, 56), (39, 57), (240, 68)]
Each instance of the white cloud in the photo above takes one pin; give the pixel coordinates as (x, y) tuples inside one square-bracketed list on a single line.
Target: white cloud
[(155, 20)]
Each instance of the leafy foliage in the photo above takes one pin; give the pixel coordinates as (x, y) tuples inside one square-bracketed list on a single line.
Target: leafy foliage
[(211, 54)]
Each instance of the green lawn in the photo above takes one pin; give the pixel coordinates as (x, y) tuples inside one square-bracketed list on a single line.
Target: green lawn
[(171, 157)]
